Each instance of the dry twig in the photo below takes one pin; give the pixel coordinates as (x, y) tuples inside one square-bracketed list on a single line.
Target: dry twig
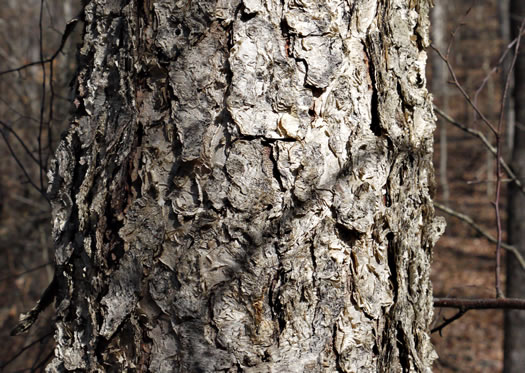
[(484, 233), (486, 142)]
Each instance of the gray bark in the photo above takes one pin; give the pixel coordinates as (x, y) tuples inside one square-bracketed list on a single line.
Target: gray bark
[(514, 346), (246, 187)]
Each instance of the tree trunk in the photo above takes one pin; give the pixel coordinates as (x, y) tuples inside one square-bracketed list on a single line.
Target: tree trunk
[(505, 32), (514, 346), (439, 89), (246, 187)]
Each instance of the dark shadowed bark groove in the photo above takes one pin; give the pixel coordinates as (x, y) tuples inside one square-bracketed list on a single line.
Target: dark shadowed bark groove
[(246, 187)]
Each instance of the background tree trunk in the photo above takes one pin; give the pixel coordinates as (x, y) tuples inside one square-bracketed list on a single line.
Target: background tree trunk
[(246, 187), (506, 36), (439, 88), (514, 349)]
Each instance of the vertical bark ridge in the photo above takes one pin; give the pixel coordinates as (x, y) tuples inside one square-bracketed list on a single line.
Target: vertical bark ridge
[(246, 187)]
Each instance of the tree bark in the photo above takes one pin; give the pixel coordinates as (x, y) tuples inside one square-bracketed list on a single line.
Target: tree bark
[(514, 346), (246, 187)]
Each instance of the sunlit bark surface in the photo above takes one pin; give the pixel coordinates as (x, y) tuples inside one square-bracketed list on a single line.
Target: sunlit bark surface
[(246, 187)]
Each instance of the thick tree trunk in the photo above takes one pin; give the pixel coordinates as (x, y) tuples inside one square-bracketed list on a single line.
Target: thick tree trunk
[(515, 319), (246, 187)]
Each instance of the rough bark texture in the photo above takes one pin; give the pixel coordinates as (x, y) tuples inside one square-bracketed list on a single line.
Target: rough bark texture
[(246, 187), (514, 347)]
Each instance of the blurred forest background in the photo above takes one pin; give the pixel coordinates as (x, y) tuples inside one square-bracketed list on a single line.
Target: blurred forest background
[(34, 107), (464, 261)]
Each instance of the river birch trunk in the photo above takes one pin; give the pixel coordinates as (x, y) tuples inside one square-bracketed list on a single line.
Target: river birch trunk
[(246, 187)]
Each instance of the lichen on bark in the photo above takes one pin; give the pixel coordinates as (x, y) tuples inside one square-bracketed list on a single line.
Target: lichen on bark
[(246, 187)]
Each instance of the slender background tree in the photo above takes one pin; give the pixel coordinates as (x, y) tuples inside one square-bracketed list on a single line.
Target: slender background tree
[(514, 319)]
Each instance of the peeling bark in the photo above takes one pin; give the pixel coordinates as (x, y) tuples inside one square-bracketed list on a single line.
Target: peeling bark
[(246, 187)]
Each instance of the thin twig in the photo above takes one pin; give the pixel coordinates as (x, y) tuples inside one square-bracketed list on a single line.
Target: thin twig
[(499, 292), (23, 67), (26, 148), (495, 68), (26, 348), (486, 142), (25, 272), (472, 182), (453, 34), (43, 362), (463, 92), (477, 228), (70, 26), (21, 115), (448, 321), (19, 163)]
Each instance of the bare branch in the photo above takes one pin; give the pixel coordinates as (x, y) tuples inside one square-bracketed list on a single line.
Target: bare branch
[(26, 148), (512, 175), (496, 67), (466, 304), (448, 321), (39, 340), (16, 275), (70, 26), (453, 34), (477, 228), (21, 165), (463, 92)]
